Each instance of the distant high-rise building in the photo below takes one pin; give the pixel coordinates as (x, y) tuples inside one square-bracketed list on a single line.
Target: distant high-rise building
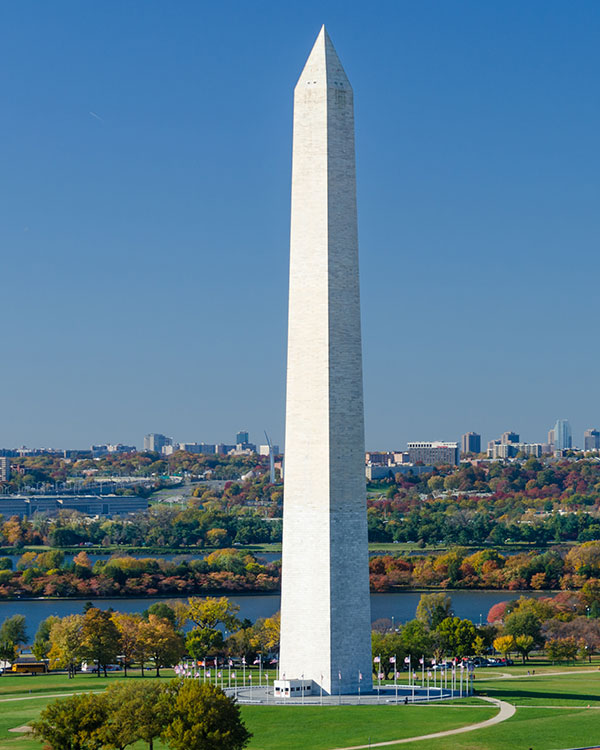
[(551, 438), (562, 435), (471, 443), (591, 440), (509, 437), (4, 469), (154, 441), (242, 437)]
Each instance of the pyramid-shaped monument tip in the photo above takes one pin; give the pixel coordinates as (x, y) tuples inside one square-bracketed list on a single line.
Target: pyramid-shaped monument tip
[(323, 65)]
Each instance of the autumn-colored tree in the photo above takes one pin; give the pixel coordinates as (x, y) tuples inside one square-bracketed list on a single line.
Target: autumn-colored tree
[(66, 643), (562, 649), (159, 640), (212, 611), (265, 633), (524, 645), (504, 644), (128, 626)]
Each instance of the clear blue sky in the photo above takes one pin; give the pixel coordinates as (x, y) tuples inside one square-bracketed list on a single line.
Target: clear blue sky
[(145, 246)]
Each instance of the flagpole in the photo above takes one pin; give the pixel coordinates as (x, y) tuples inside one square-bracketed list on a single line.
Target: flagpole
[(423, 671), (359, 679), (396, 678)]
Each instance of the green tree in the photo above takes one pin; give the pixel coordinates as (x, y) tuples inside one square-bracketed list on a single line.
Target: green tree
[(417, 640), (41, 643), (456, 636), (160, 609), (72, 723), (524, 623), (13, 630), (433, 608), (100, 638), (136, 711), (201, 642), (204, 718)]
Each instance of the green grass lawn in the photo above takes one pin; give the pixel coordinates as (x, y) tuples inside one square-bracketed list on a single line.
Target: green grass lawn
[(565, 723), (297, 728), (573, 690)]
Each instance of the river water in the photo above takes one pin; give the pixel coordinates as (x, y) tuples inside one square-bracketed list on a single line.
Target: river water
[(401, 606)]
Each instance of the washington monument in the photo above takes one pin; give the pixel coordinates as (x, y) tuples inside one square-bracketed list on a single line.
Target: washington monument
[(325, 607)]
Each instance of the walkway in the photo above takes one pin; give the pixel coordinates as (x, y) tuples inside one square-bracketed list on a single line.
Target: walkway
[(506, 711)]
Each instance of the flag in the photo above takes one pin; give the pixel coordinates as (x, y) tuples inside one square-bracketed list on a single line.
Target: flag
[(216, 665), (208, 672), (219, 675), (233, 675), (433, 662), (392, 659), (377, 660), (256, 661), (380, 675), (273, 661), (231, 662), (421, 661), (360, 676), (244, 660), (197, 675), (250, 676), (407, 659), (339, 675), (202, 663), (397, 675)]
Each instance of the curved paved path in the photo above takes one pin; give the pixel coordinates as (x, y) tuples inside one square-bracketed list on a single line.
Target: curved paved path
[(506, 711)]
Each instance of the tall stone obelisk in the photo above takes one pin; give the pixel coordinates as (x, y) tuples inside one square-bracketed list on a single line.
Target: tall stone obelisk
[(325, 607)]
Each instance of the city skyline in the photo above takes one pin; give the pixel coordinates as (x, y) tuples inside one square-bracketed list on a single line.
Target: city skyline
[(136, 304)]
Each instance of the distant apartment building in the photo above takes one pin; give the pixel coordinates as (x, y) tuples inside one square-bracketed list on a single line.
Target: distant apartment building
[(4, 469), (242, 437), (433, 453), (209, 448), (103, 450), (155, 442), (509, 437), (563, 440), (498, 450), (223, 449), (591, 440), (470, 443)]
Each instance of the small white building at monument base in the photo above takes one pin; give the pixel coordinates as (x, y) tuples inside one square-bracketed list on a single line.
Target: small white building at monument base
[(292, 688)]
